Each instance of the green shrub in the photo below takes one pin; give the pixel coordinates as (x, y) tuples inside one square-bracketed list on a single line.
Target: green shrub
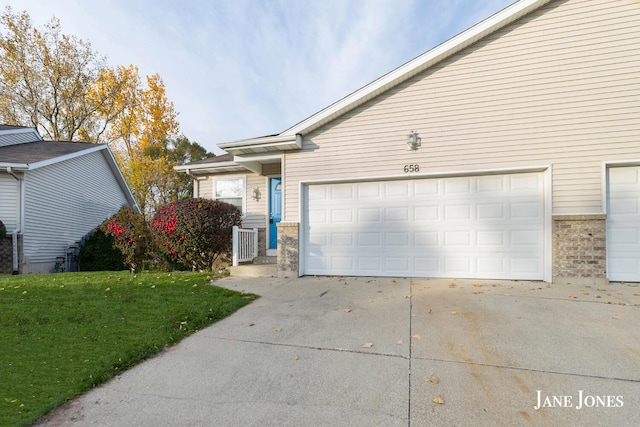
[(131, 235), (195, 232), (3, 231), (99, 254)]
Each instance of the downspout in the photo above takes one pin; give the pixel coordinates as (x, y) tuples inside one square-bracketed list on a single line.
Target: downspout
[(16, 267), (14, 235), (196, 183)]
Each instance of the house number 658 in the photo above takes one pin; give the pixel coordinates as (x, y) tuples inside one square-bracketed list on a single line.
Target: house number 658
[(411, 168)]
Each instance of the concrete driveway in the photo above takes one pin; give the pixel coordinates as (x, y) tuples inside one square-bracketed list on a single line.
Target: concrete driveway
[(343, 351)]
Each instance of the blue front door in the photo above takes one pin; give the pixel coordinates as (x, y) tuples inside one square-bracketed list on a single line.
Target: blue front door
[(275, 210)]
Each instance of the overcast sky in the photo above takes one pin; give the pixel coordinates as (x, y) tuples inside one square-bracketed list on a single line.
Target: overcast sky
[(237, 69)]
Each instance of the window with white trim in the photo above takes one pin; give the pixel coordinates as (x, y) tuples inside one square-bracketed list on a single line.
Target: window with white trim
[(230, 190)]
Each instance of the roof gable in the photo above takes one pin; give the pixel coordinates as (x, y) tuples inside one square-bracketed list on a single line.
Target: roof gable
[(401, 74)]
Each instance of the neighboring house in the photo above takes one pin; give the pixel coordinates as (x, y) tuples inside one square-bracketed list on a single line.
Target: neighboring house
[(51, 195), (526, 162)]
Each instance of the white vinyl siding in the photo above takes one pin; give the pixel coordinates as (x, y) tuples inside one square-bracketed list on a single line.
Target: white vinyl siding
[(255, 216), (9, 202), (559, 88), (63, 202)]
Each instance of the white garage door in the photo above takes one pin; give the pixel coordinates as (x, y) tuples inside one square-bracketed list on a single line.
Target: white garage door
[(471, 227), (623, 224)]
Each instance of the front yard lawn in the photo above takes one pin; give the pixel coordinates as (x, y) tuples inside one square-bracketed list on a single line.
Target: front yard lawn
[(62, 334)]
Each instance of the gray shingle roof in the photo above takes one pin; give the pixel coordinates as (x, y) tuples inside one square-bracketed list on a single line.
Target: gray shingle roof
[(39, 151)]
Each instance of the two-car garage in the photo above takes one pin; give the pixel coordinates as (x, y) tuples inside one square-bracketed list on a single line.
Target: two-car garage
[(488, 226)]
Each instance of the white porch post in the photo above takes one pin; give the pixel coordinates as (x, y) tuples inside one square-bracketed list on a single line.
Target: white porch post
[(234, 246)]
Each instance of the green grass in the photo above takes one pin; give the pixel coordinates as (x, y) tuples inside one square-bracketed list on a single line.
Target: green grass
[(62, 334)]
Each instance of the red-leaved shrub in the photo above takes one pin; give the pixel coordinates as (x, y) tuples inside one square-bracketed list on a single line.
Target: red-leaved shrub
[(131, 236), (195, 232)]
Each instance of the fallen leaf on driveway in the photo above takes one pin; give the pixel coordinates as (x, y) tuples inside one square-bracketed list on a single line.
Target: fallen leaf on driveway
[(347, 310), (407, 296), (477, 284), (452, 285), (277, 330), (454, 312), (252, 324), (572, 296), (430, 310), (416, 336), (367, 345), (438, 400), (296, 357), (399, 342), (434, 380), (615, 317)]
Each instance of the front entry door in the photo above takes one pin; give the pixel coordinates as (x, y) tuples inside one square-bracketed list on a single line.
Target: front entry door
[(275, 210)]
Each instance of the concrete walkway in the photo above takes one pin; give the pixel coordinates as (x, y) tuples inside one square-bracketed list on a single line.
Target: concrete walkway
[(391, 352)]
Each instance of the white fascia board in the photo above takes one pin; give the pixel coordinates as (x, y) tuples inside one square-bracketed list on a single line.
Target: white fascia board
[(263, 144), (213, 167), (15, 166), (417, 65), (69, 156)]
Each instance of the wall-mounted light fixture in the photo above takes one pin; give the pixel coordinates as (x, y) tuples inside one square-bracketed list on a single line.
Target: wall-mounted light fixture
[(255, 191), (413, 141)]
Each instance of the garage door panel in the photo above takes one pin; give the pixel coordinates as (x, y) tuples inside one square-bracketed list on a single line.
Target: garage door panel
[(490, 238), (369, 215), (396, 239), (491, 266), (426, 238), (492, 211), (396, 189), (623, 235), (624, 206), (623, 223), (370, 240), (396, 214), (369, 190), (528, 238), (525, 265), (457, 212), (342, 239), (463, 226), (426, 187), (426, 213), (457, 186)]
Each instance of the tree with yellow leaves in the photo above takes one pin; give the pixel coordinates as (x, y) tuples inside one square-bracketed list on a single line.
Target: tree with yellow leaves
[(44, 75), (59, 85)]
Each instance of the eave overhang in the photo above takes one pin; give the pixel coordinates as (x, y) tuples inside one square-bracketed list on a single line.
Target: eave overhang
[(206, 168), (265, 144)]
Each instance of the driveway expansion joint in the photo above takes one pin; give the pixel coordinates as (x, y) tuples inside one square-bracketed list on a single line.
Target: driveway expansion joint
[(515, 368), (309, 347)]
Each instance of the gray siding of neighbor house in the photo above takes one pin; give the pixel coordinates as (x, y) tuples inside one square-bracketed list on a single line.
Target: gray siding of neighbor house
[(63, 202), (18, 137), (558, 88), (9, 201)]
